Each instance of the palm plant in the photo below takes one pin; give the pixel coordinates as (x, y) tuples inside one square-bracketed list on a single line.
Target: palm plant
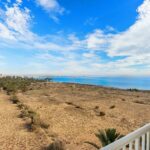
[(106, 137)]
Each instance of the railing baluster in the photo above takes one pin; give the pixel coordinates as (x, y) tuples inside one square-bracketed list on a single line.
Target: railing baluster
[(137, 144), (130, 146), (147, 141), (143, 142)]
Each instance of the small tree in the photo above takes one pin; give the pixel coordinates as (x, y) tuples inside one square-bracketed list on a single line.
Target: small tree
[(106, 137)]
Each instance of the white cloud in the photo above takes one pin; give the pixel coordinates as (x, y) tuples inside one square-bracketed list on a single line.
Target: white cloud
[(97, 40), (5, 33), (15, 23), (135, 40), (52, 7), (89, 55), (18, 1), (17, 19)]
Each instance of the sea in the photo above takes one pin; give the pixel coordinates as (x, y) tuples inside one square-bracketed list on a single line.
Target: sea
[(141, 83)]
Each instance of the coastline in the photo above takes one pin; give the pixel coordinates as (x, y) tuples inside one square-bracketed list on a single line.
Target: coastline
[(101, 86), (139, 83)]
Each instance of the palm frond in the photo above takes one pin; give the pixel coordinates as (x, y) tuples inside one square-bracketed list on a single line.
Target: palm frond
[(102, 137), (106, 137), (93, 144)]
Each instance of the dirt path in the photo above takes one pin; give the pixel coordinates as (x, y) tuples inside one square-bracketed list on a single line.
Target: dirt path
[(13, 134)]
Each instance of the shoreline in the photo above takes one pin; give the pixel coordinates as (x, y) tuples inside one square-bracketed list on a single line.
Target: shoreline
[(101, 86), (112, 82)]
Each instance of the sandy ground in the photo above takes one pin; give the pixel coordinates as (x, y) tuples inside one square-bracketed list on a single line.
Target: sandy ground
[(13, 134), (74, 112)]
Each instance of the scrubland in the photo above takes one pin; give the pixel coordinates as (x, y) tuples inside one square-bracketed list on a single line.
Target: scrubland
[(44, 112)]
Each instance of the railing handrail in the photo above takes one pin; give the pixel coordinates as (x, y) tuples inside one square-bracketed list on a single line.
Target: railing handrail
[(128, 138)]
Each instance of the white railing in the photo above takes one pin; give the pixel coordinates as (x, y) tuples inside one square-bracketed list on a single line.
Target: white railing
[(137, 140)]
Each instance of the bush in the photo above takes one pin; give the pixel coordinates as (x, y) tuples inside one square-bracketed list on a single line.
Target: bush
[(101, 113), (44, 125), (96, 107), (20, 105), (35, 122), (14, 99), (57, 145), (24, 113), (113, 106)]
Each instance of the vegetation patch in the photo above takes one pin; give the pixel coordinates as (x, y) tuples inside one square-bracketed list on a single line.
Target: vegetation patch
[(35, 121), (69, 103), (123, 99), (14, 99), (139, 102), (106, 137), (112, 107), (96, 107), (56, 145), (98, 112), (76, 106), (26, 112), (133, 90), (12, 84), (101, 113)]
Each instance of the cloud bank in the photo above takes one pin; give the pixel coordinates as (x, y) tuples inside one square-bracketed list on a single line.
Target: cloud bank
[(126, 53)]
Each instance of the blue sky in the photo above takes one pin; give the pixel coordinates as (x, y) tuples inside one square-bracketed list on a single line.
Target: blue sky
[(82, 37)]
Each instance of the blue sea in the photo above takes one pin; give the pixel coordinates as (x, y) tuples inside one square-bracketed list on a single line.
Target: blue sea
[(142, 83)]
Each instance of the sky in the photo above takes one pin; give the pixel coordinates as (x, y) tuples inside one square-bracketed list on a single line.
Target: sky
[(75, 38)]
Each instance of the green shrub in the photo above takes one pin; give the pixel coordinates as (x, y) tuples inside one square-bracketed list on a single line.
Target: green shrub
[(106, 137), (14, 99), (12, 84), (133, 90)]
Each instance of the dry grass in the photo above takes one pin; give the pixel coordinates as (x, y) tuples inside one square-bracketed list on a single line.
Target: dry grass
[(13, 134), (27, 112)]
